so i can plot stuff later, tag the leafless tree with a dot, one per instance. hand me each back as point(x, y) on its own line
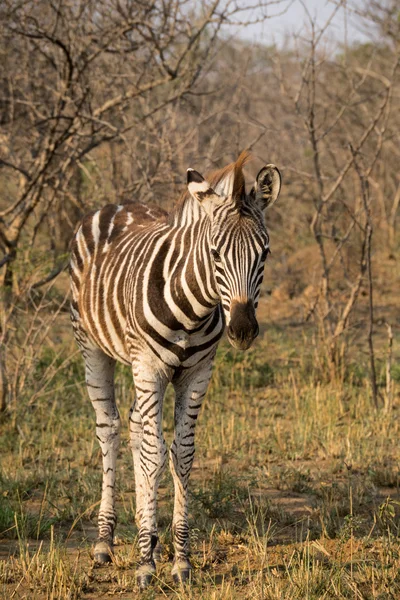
point(81, 82)
point(109, 100)
point(100, 99)
point(345, 104)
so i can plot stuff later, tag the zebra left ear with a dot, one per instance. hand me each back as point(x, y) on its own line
point(267, 186)
point(201, 190)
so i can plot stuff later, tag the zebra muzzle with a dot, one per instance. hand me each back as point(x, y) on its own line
point(243, 327)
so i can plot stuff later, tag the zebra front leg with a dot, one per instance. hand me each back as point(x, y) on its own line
point(136, 436)
point(150, 456)
point(100, 384)
point(190, 392)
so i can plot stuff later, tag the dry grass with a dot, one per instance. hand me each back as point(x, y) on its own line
point(294, 492)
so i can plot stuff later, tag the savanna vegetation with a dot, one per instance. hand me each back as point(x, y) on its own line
point(295, 487)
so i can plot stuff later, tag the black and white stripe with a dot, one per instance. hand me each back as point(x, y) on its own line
point(154, 291)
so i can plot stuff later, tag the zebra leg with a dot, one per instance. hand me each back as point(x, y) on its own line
point(136, 436)
point(189, 394)
point(150, 457)
point(100, 385)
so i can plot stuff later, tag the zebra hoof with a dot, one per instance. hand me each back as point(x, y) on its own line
point(103, 553)
point(144, 574)
point(181, 577)
point(144, 580)
point(181, 572)
point(102, 558)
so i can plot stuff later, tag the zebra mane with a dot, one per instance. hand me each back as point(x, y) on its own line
point(228, 181)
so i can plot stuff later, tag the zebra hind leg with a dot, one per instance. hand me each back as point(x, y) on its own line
point(100, 385)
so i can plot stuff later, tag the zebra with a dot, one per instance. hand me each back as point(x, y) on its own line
point(155, 291)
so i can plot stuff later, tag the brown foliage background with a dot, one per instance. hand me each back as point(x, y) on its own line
point(104, 101)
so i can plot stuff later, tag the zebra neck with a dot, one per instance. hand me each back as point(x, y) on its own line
point(191, 276)
point(188, 213)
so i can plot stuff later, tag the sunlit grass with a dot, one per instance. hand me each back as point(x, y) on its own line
point(294, 492)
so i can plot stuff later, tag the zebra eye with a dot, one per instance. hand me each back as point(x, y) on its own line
point(265, 254)
point(216, 255)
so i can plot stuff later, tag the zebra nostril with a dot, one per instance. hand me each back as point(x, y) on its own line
point(243, 326)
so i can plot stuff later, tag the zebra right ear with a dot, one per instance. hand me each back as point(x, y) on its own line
point(201, 190)
point(267, 186)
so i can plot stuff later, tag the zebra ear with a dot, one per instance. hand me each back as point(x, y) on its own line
point(267, 186)
point(201, 190)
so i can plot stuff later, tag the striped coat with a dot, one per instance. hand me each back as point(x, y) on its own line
point(155, 291)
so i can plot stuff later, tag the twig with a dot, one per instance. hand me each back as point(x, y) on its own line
point(52, 275)
point(368, 267)
point(388, 397)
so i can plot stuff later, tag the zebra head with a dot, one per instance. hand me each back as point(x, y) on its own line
point(239, 241)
